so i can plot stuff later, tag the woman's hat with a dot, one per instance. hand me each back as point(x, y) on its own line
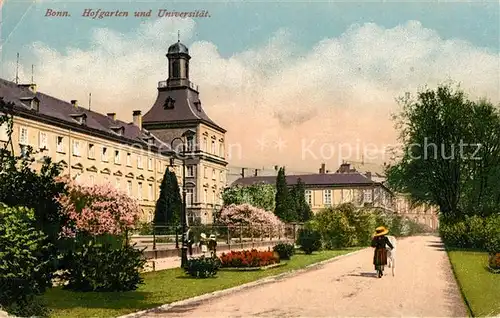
point(381, 230)
point(203, 235)
point(212, 237)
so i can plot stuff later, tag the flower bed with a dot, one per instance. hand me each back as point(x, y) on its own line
point(251, 269)
point(252, 258)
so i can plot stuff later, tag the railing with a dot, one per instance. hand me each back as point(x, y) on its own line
point(169, 237)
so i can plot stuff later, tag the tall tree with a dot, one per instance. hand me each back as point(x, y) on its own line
point(302, 208)
point(169, 204)
point(283, 201)
point(451, 152)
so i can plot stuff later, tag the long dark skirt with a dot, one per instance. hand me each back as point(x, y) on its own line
point(380, 257)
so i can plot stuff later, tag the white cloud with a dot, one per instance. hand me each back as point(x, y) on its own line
point(341, 90)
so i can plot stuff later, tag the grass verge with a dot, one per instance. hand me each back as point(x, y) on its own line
point(164, 287)
point(480, 287)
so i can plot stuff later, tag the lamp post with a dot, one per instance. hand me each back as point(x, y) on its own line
point(186, 136)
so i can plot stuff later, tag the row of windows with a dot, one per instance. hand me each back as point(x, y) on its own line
point(213, 149)
point(327, 196)
point(77, 147)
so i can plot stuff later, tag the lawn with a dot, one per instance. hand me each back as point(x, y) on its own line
point(164, 287)
point(480, 287)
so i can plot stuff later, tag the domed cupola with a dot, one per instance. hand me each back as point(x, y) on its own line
point(178, 65)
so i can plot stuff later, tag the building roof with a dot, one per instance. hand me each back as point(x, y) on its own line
point(320, 179)
point(57, 111)
point(178, 48)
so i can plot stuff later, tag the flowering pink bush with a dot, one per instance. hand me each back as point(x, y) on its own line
point(253, 220)
point(97, 210)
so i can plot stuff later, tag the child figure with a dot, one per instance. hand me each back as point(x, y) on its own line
point(212, 245)
point(203, 243)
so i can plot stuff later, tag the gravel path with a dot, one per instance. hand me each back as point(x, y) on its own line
point(424, 286)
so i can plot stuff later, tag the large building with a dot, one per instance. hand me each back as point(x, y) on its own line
point(95, 148)
point(346, 185)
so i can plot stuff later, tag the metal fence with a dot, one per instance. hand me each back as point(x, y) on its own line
point(170, 237)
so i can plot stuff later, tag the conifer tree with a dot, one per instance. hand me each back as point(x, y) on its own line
point(284, 207)
point(302, 208)
point(169, 204)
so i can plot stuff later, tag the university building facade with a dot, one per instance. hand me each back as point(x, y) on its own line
point(95, 148)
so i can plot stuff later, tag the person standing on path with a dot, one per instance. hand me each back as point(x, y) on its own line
point(379, 242)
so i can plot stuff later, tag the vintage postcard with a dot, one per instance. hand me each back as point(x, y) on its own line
point(249, 158)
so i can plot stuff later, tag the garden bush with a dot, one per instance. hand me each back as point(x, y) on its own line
point(253, 221)
point(492, 232)
point(363, 221)
point(252, 258)
point(335, 230)
point(24, 271)
point(102, 267)
point(202, 267)
point(309, 240)
point(284, 250)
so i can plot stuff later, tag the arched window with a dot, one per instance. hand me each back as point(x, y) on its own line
point(176, 69)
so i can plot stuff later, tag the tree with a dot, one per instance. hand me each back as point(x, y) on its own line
point(300, 205)
point(258, 195)
point(284, 204)
point(169, 204)
point(451, 152)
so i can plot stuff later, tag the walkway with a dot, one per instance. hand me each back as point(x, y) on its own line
point(423, 287)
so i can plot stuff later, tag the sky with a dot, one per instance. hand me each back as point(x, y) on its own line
point(294, 83)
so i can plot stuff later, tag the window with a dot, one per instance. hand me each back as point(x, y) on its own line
point(117, 157)
point(139, 162)
point(309, 197)
point(106, 180)
point(190, 144)
point(221, 149)
point(190, 171)
point(150, 163)
point(91, 151)
point(213, 175)
point(92, 180)
point(221, 177)
point(205, 196)
point(327, 197)
point(205, 144)
point(213, 147)
point(129, 188)
point(150, 192)
point(129, 159)
point(139, 191)
point(117, 184)
point(104, 154)
point(4, 134)
point(78, 177)
point(76, 148)
point(214, 197)
point(59, 144)
point(189, 197)
point(42, 140)
point(23, 135)
point(24, 151)
point(367, 195)
point(205, 173)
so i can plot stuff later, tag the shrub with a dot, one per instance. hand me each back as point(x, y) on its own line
point(476, 232)
point(24, 271)
point(492, 232)
point(252, 258)
point(362, 220)
point(454, 234)
point(202, 267)
point(261, 196)
point(309, 240)
point(285, 251)
point(254, 221)
point(100, 267)
point(335, 230)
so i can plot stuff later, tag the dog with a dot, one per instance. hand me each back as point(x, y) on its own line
point(391, 254)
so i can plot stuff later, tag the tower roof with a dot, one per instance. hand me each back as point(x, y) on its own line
point(178, 48)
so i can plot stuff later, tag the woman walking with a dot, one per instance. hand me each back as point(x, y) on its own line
point(379, 242)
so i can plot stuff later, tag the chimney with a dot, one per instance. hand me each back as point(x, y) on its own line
point(74, 102)
point(369, 175)
point(344, 168)
point(322, 170)
point(111, 116)
point(137, 118)
point(256, 172)
point(242, 172)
